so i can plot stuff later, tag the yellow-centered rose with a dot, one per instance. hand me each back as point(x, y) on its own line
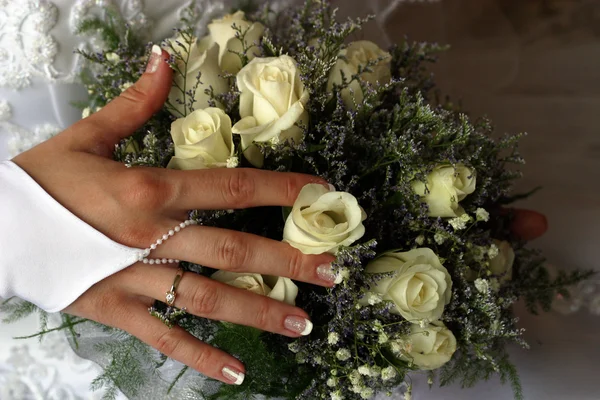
point(271, 104)
point(446, 186)
point(354, 57)
point(202, 61)
point(277, 288)
point(420, 286)
point(203, 139)
point(430, 347)
point(222, 32)
point(321, 221)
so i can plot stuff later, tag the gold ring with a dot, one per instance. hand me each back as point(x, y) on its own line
point(171, 295)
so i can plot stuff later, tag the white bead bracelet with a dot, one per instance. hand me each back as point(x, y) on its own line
point(144, 255)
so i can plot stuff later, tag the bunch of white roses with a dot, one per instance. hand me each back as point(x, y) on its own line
point(273, 102)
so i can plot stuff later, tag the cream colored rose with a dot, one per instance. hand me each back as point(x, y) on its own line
point(202, 60)
point(420, 286)
point(321, 221)
point(277, 288)
point(446, 186)
point(357, 55)
point(271, 104)
point(222, 33)
point(501, 265)
point(203, 139)
point(430, 347)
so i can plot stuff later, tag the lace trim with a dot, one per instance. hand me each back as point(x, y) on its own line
point(22, 139)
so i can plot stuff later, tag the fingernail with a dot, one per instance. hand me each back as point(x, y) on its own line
point(325, 272)
point(154, 61)
point(298, 325)
point(331, 187)
point(233, 375)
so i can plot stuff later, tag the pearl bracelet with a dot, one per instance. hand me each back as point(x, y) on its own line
point(144, 255)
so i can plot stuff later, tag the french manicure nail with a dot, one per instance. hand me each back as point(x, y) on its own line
point(331, 187)
point(154, 61)
point(298, 325)
point(233, 375)
point(325, 272)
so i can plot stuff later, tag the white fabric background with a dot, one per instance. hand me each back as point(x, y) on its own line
point(507, 61)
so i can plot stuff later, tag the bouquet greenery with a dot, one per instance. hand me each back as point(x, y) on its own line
point(427, 266)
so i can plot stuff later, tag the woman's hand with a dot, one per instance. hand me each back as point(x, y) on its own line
point(136, 206)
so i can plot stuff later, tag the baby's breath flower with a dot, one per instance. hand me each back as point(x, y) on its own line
point(482, 215)
point(125, 86)
point(332, 382)
point(494, 284)
point(420, 240)
point(86, 112)
point(300, 358)
point(388, 373)
point(232, 162)
point(457, 223)
point(373, 298)
point(344, 273)
point(342, 354)
point(355, 378)
point(439, 238)
point(333, 338)
point(481, 285)
point(364, 370)
point(396, 347)
point(113, 58)
point(294, 347)
point(366, 393)
point(337, 395)
point(465, 218)
point(493, 251)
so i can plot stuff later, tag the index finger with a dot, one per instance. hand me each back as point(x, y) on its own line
point(227, 188)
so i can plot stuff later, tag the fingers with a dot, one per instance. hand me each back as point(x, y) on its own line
point(529, 225)
point(208, 298)
point(227, 188)
point(125, 114)
point(243, 252)
point(178, 344)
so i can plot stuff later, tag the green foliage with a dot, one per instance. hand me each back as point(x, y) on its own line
point(274, 372)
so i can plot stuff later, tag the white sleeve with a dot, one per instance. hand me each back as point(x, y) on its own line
point(48, 256)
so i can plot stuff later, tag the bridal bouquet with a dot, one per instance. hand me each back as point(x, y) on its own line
point(427, 267)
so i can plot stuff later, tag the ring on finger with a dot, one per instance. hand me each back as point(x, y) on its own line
point(170, 314)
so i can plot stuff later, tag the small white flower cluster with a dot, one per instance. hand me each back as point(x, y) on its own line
point(333, 338)
point(482, 285)
point(343, 354)
point(459, 223)
point(373, 298)
point(482, 215)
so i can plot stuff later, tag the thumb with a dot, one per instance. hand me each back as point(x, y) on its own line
point(124, 115)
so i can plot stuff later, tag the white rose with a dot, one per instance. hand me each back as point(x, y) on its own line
point(357, 55)
point(431, 346)
point(203, 139)
point(277, 288)
point(271, 103)
point(202, 59)
point(321, 221)
point(502, 264)
point(420, 286)
point(446, 186)
point(223, 34)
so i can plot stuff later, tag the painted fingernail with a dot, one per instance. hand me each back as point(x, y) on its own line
point(325, 272)
point(154, 61)
point(298, 325)
point(233, 375)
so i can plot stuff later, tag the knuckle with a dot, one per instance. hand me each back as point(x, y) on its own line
point(263, 313)
point(233, 252)
point(240, 189)
point(292, 188)
point(136, 95)
point(296, 263)
point(146, 190)
point(205, 300)
point(202, 360)
point(167, 343)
